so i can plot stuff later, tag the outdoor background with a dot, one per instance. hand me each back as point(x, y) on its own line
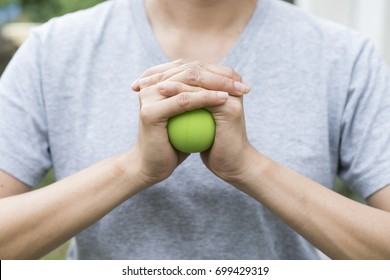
point(370, 17)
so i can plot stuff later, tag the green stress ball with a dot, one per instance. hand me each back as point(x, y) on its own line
point(192, 132)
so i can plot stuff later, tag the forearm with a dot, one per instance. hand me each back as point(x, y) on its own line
point(338, 226)
point(36, 222)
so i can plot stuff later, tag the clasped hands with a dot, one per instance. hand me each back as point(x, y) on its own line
point(176, 87)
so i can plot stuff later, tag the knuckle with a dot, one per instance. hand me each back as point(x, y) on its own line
point(179, 62)
point(200, 63)
point(142, 96)
point(198, 89)
point(223, 83)
point(236, 108)
point(193, 74)
point(145, 114)
point(163, 77)
point(146, 92)
point(184, 100)
point(148, 95)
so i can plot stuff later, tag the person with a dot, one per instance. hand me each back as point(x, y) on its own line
point(317, 104)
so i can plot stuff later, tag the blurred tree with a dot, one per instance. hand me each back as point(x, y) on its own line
point(6, 2)
point(43, 10)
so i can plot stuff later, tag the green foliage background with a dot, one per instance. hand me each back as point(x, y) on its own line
point(6, 2)
point(43, 10)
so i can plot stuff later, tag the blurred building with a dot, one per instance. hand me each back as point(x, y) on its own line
point(369, 17)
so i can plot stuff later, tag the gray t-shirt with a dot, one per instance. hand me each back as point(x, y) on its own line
point(320, 104)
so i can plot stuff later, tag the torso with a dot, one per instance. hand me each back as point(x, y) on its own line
point(193, 214)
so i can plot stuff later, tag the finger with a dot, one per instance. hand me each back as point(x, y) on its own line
point(155, 70)
point(225, 71)
point(163, 72)
point(169, 89)
point(183, 102)
point(149, 95)
point(211, 81)
point(158, 77)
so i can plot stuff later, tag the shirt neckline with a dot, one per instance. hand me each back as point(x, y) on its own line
point(234, 58)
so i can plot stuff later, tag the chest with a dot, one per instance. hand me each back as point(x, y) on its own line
point(212, 48)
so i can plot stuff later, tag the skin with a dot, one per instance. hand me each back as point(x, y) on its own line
point(198, 29)
point(340, 227)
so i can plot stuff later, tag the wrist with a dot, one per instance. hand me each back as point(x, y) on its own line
point(254, 168)
point(129, 168)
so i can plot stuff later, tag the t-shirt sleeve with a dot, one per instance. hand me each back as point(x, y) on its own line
point(365, 136)
point(24, 148)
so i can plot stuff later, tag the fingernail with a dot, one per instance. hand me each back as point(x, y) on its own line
point(248, 87)
point(134, 85)
point(241, 87)
point(222, 95)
